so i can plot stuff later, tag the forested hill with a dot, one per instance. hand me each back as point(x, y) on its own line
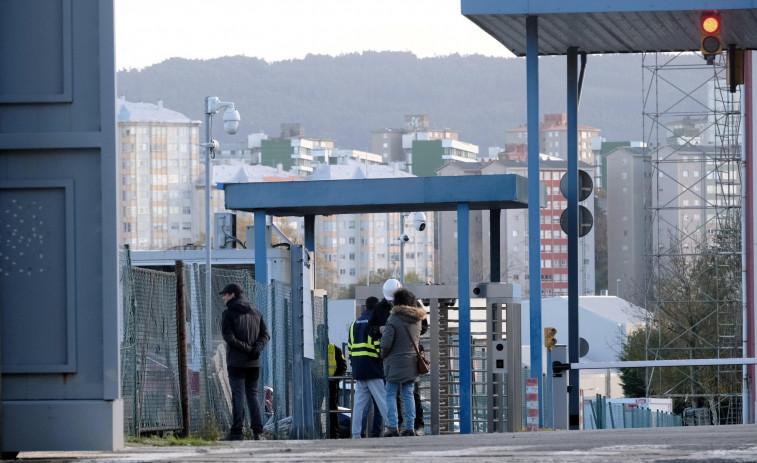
point(344, 98)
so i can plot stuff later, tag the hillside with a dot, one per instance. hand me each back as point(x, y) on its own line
point(343, 98)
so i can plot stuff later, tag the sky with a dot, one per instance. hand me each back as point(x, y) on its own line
point(151, 31)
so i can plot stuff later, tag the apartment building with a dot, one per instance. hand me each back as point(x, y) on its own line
point(159, 156)
point(553, 138)
point(358, 244)
point(514, 256)
point(396, 144)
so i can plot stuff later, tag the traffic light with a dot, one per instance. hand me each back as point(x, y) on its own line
point(585, 217)
point(710, 31)
point(549, 338)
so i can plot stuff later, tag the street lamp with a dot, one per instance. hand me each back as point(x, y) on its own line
point(230, 124)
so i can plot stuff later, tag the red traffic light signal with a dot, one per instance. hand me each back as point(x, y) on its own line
point(710, 29)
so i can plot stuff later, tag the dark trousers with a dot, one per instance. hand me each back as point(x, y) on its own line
point(334, 405)
point(418, 408)
point(244, 385)
point(378, 421)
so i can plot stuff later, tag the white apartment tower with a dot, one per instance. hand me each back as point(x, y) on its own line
point(158, 149)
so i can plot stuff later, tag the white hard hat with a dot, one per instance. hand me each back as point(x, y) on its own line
point(390, 287)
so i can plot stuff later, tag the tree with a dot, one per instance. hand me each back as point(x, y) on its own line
point(377, 278)
point(633, 380)
point(694, 313)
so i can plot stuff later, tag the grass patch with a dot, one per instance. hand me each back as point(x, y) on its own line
point(170, 440)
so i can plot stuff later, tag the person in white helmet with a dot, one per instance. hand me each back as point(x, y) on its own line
point(383, 309)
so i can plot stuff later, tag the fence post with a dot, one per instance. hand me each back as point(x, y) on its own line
point(181, 347)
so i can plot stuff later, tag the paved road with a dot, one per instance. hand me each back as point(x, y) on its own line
point(691, 444)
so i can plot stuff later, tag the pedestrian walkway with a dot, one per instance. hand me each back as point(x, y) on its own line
point(701, 443)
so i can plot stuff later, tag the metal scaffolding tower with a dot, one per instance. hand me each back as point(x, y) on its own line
point(693, 200)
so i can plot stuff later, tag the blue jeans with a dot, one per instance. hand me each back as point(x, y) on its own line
point(408, 403)
point(244, 385)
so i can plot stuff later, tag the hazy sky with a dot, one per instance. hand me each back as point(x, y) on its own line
point(150, 31)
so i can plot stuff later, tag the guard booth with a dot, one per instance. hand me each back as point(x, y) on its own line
point(495, 345)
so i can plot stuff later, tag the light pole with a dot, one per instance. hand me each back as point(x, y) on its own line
point(230, 124)
point(419, 222)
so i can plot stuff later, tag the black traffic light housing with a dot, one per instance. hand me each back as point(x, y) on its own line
point(710, 35)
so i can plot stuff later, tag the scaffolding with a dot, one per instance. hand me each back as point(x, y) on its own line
point(692, 199)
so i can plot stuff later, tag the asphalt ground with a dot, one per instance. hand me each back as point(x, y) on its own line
point(736, 443)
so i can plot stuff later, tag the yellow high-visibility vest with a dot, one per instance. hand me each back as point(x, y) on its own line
point(369, 348)
point(332, 359)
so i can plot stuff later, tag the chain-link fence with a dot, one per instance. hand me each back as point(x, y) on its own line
point(149, 368)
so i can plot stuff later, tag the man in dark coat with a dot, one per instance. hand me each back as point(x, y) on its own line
point(246, 334)
point(368, 373)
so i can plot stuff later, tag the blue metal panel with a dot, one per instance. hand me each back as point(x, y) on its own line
point(463, 281)
point(261, 271)
point(534, 241)
point(595, 6)
point(378, 195)
point(572, 232)
point(64, 53)
point(611, 27)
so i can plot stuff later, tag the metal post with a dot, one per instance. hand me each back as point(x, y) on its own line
point(534, 242)
point(402, 248)
point(181, 341)
point(261, 259)
point(494, 245)
point(572, 173)
point(208, 219)
point(463, 277)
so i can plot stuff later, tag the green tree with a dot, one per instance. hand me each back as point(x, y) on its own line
point(633, 380)
point(377, 278)
point(694, 313)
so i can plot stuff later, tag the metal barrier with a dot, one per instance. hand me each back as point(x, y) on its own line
point(600, 413)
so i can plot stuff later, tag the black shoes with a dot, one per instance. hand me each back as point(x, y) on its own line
point(407, 433)
point(233, 437)
point(391, 432)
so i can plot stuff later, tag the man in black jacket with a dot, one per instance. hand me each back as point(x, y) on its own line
point(246, 335)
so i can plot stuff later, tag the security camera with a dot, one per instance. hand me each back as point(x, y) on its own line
point(420, 221)
point(231, 120)
point(404, 238)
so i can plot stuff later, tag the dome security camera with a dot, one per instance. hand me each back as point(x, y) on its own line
point(231, 120)
point(404, 238)
point(419, 221)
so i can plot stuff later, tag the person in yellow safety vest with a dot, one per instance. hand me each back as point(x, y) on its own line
point(337, 367)
point(368, 373)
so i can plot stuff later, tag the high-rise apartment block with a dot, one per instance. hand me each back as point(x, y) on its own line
point(553, 138)
point(158, 149)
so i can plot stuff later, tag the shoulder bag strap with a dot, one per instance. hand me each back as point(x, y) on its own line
point(412, 341)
